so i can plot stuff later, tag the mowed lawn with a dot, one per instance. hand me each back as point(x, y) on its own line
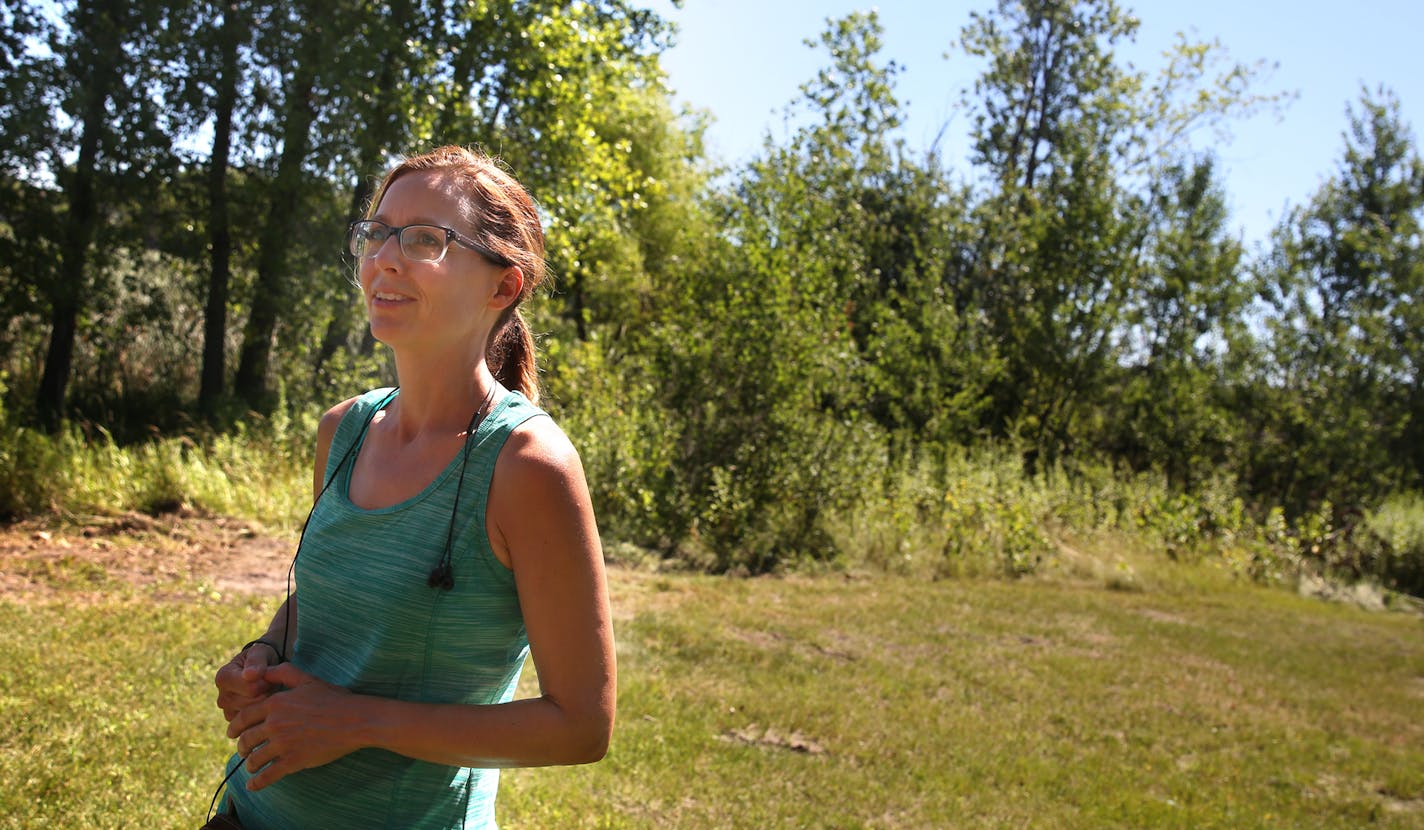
point(819, 702)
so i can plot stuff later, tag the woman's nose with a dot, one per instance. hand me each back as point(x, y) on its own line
point(388, 251)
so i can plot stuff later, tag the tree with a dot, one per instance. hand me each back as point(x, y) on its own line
point(308, 40)
point(529, 80)
point(113, 131)
point(210, 83)
point(29, 209)
point(1058, 231)
point(232, 36)
point(30, 83)
point(402, 59)
point(896, 231)
point(583, 114)
point(814, 321)
point(1075, 152)
point(301, 119)
point(1186, 306)
point(1344, 284)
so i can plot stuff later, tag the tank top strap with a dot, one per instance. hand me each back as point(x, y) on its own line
point(505, 416)
point(352, 426)
point(512, 410)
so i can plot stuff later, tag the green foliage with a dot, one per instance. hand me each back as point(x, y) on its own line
point(840, 353)
point(760, 461)
point(260, 473)
point(1392, 547)
point(1185, 307)
point(825, 297)
point(1057, 228)
point(1342, 374)
point(623, 435)
point(993, 516)
point(947, 514)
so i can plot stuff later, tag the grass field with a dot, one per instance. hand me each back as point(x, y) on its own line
point(1176, 699)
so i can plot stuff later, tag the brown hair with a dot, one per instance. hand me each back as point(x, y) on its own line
point(504, 219)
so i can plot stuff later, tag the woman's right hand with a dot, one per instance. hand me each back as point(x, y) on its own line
point(240, 681)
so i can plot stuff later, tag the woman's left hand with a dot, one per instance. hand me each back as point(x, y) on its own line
point(309, 723)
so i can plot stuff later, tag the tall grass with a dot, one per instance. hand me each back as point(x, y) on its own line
point(956, 512)
point(261, 471)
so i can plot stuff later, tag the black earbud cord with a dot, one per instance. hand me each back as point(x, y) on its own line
point(441, 576)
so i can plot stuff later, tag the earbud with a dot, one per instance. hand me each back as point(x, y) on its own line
point(442, 576)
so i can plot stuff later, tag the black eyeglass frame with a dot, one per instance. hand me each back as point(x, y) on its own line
point(451, 235)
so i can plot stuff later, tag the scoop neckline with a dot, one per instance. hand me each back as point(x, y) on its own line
point(481, 433)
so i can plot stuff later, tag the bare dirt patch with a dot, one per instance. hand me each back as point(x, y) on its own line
point(774, 738)
point(175, 553)
point(39, 560)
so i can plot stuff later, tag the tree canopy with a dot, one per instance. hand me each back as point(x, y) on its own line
point(739, 348)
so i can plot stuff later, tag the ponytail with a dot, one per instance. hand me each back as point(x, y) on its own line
point(512, 357)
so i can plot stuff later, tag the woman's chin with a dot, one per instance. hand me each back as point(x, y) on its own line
point(388, 332)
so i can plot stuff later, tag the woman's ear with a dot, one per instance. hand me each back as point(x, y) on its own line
point(509, 288)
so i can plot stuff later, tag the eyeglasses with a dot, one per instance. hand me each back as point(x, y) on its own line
point(418, 243)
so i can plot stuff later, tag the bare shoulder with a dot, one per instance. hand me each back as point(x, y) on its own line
point(331, 419)
point(539, 460)
point(325, 432)
point(539, 444)
point(539, 474)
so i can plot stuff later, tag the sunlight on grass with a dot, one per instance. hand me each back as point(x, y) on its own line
point(108, 710)
point(814, 702)
point(972, 704)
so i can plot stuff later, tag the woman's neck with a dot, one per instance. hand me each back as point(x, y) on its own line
point(438, 397)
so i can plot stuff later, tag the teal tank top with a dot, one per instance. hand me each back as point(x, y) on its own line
point(368, 621)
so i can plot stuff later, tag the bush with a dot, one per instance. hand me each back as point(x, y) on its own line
point(625, 439)
point(944, 512)
point(1392, 543)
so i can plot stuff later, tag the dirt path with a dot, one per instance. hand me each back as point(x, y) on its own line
point(37, 561)
point(174, 554)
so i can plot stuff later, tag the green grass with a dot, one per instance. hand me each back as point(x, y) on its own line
point(832, 701)
point(107, 716)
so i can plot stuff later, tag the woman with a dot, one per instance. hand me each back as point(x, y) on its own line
point(452, 533)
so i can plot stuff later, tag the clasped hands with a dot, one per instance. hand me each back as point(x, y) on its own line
point(283, 719)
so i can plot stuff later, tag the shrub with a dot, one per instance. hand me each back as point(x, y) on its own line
point(1391, 543)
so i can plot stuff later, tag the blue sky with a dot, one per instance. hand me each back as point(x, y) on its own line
point(743, 61)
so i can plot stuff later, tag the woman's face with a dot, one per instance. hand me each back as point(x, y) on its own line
point(442, 305)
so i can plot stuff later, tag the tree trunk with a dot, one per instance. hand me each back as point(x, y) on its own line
point(78, 233)
point(283, 214)
point(215, 313)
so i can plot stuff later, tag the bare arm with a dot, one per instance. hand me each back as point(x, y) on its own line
point(558, 570)
point(542, 522)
